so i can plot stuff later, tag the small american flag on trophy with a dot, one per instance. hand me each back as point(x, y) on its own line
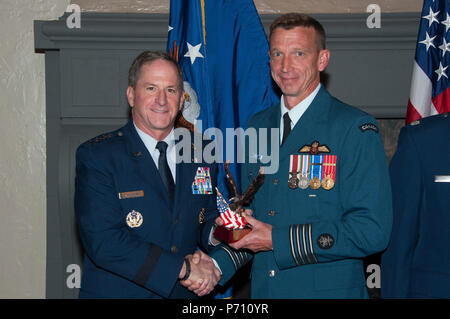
point(230, 219)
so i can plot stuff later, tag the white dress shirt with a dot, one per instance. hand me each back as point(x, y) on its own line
point(150, 144)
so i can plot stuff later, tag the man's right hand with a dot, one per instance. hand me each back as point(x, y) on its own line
point(204, 274)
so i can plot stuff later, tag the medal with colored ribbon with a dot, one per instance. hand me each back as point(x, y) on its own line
point(304, 172)
point(329, 171)
point(316, 171)
point(293, 171)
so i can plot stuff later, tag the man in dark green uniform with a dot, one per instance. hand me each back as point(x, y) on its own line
point(329, 204)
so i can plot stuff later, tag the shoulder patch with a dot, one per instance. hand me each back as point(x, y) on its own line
point(368, 126)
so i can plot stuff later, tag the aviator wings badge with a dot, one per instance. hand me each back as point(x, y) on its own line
point(314, 149)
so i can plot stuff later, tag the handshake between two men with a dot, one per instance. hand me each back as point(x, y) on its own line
point(199, 273)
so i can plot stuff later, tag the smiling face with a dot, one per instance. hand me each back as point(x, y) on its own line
point(156, 99)
point(296, 62)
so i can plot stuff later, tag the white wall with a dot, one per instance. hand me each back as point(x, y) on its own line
point(22, 148)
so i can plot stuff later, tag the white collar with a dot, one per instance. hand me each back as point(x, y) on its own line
point(297, 111)
point(150, 142)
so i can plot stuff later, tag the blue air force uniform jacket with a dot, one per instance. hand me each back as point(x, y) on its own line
point(134, 241)
point(319, 236)
point(416, 263)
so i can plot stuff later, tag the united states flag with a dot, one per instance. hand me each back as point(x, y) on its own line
point(430, 93)
point(230, 219)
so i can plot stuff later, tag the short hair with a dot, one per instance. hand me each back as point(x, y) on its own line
point(291, 20)
point(148, 57)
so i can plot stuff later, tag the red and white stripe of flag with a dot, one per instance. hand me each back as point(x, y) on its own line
point(420, 103)
point(232, 221)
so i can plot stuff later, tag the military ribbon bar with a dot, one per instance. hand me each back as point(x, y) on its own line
point(202, 181)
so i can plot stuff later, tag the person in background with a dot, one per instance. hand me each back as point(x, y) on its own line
point(416, 263)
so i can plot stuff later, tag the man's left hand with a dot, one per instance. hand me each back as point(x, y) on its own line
point(259, 239)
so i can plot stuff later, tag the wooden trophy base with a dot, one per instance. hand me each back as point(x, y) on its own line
point(228, 235)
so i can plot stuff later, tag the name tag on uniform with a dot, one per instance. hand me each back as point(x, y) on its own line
point(131, 194)
point(442, 178)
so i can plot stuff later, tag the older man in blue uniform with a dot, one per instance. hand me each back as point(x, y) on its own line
point(139, 216)
point(416, 263)
point(329, 204)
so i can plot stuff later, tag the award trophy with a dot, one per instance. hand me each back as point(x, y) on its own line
point(236, 227)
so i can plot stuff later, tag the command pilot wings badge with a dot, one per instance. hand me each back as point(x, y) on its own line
point(314, 149)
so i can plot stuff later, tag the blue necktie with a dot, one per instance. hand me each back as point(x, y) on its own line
point(164, 170)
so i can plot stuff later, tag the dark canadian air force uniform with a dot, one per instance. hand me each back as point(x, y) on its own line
point(416, 263)
point(322, 231)
point(134, 241)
